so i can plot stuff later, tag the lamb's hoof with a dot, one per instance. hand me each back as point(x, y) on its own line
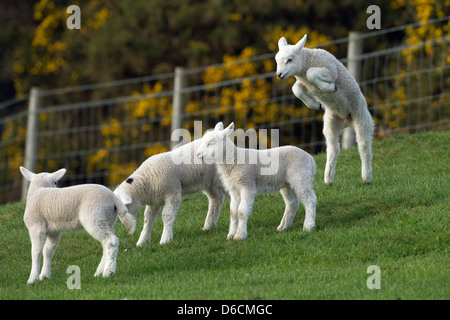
point(33, 280)
point(230, 236)
point(239, 238)
point(327, 86)
point(108, 273)
point(44, 276)
point(208, 227)
point(309, 228)
point(283, 226)
point(317, 106)
point(367, 178)
point(165, 241)
point(141, 243)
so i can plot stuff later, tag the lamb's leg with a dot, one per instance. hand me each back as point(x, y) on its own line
point(300, 92)
point(244, 211)
point(291, 202)
point(101, 229)
point(332, 129)
point(215, 198)
point(169, 212)
point(101, 265)
point(150, 214)
point(37, 243)
point(49, 250)
point(364, 128)
point(235, 199)
point(307, 196)
point(111, 244)
point(323, 78)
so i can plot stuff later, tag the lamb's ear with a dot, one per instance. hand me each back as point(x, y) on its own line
point(282, 43)
point(27, 173)
point(219, 126)
point(58, 174)
point(300, 44)
point(126, 199)
point(229, 130)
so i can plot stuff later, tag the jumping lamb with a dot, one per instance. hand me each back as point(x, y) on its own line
point(243, 175)
point(322, 82)
point(164, 179)
point(50, 211)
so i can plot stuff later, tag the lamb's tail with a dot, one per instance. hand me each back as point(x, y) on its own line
point(128, 220)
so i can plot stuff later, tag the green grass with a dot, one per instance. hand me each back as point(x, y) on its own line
point(399, 223)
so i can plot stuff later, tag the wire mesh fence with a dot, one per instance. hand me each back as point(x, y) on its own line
point(102, 132)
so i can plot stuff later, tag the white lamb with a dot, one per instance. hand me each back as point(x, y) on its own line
point(50, 211)
point(243, 178)
point(163, 179)
point(324, 83)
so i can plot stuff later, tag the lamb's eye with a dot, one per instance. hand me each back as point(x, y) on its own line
point(289, 60)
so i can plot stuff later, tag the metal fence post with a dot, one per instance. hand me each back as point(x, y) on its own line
point(34, 103)
point(179, 99)
point(354, 51)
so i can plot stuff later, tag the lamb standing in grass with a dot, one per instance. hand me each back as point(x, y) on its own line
point(243, 178)
point(50, 211)
point(163, 179)
point(324, 82)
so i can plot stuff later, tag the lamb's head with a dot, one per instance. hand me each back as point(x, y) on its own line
point(127, 192)
point(43, 179)
point(288, 58)
point(213, 143)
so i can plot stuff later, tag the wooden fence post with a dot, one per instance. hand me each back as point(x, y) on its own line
point(179, 99)
point(354, 51)
point(34, 103)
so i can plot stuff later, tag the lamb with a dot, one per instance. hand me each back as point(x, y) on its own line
point(293, 176)
point(50, 211)
point(322, 82)
point(164, 179)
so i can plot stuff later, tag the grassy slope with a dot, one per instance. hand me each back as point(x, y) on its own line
point(399, 223)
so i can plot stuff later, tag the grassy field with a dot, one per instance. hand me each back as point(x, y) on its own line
point(400, 223)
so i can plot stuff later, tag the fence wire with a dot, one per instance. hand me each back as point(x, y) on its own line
point(102, 132)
